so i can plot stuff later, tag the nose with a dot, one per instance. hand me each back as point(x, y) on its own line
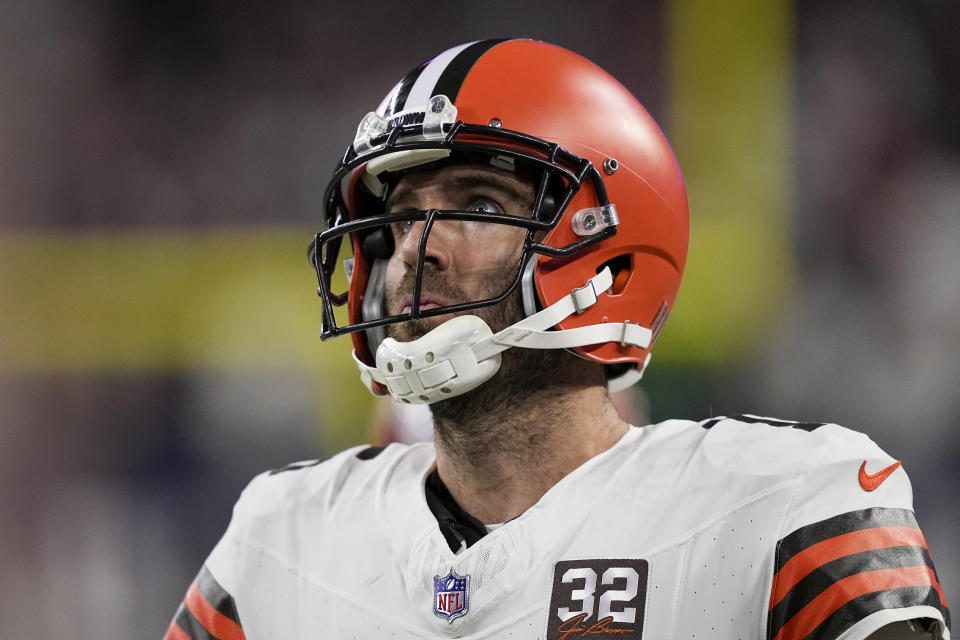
point(439, 243)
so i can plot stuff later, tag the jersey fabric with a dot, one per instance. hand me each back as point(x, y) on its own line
point(739, 527)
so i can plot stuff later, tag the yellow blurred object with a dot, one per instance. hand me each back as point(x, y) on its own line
point(152, 300)
point(730, 125)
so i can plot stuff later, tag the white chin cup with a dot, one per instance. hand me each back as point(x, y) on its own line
point(440, 365)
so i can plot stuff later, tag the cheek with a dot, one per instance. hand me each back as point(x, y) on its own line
point(495, 252)
point(395, 271)
point(505, 249)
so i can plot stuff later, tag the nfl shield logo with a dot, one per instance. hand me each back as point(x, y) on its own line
point(450, 595)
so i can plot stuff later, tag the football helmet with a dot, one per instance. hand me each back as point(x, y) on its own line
point(604, 247)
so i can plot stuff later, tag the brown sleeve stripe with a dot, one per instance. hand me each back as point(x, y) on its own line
point(219, 625)
point(824, 577)
point(216, 595)
point(208, 612)
point(805, 537)
point(833, 573)
point(188, 625)
point(847, 544)
point(174, 632)
point(852, 612)
point(831, 600)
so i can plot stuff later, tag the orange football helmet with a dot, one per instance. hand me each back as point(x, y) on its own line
point(610, 201)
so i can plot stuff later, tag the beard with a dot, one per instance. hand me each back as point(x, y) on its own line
point(497, 317)
point(522, 374)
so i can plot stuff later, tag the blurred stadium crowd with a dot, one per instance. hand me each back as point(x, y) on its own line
point(161, 167)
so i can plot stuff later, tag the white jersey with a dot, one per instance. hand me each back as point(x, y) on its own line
point(730, 528)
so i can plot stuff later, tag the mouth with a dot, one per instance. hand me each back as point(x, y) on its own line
point(425, 305)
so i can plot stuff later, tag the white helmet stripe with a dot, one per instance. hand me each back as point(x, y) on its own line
point(422, 89)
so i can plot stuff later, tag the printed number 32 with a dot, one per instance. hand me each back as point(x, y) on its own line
point(586, 595)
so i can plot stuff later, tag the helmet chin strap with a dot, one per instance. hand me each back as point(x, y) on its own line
point(463, 352)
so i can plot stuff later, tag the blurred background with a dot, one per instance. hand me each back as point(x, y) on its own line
point(161, 169)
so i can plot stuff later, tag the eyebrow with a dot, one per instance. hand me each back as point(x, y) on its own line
point(454, 184)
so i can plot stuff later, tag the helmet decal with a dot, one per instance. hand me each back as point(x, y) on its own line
point(442, 75)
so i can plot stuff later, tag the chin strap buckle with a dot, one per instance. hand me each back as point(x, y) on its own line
point(584, 297)
point(623, 333)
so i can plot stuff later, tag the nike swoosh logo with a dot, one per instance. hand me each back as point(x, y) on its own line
point(870, 481)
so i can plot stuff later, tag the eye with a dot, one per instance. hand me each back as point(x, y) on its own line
point(484, 205)
point(400, 229)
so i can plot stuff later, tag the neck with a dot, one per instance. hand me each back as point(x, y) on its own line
point(502, 446)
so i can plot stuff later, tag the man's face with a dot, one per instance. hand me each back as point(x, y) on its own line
point(465, 261)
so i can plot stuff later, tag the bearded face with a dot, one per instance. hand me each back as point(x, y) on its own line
point(466, 261)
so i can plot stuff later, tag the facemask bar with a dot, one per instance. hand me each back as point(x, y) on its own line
point(555, 162)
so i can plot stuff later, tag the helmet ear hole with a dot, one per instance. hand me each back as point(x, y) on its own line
point(378, 244)
point(622, 268)
point(547, 207)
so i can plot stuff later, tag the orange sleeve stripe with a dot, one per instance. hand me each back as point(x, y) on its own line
point(800, 565)
point(174, 632)
point(217, 624)
point(845, 590)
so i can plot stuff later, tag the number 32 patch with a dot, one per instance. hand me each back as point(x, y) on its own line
point(593, 598)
